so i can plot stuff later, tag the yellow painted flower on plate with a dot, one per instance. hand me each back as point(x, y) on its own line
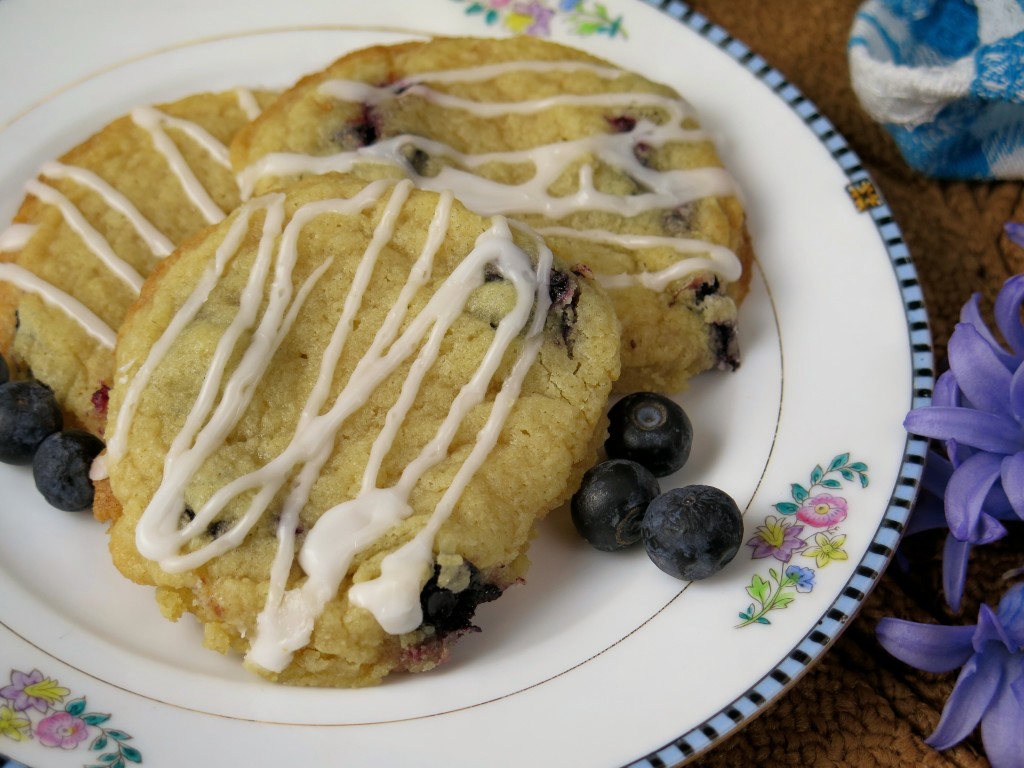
point(827, 549)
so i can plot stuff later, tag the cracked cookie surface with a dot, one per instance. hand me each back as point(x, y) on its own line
point(339, 415)
point(613, 169)
point(96, 222)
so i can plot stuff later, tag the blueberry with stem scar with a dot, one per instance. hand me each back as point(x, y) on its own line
point(651, 430)
point(693, 532)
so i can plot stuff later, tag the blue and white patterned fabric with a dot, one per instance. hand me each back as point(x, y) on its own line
point(946, 77)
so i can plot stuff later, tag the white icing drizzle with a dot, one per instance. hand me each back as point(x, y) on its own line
point(489, 198)
point(98, 468)
point(661, 190)
point(716, 258)
point(232, 240)
point(352, 90)
point(342, 532)
point(248, 104)
point(16, 237)
point(393, 597)
point(91, 324)
point(93, 239)
point(156, 241)
point(153, 121)
point(491, 71)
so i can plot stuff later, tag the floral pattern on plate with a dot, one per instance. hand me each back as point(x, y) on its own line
point(807, 526)
point(535, 17)
point(33, 706)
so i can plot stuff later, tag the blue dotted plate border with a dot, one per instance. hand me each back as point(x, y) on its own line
point(785, 674)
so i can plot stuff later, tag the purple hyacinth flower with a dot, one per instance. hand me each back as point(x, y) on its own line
point(990, 688)
point(978, 411)
point(930, 514)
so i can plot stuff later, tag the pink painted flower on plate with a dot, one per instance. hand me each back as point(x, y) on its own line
point(822, 510)
point(62, 730)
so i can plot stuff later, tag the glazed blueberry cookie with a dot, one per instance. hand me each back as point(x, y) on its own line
point(95, 222)
point(337, 417)
point(611, 168)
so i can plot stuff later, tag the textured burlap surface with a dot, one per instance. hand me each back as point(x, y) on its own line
point(859, 706)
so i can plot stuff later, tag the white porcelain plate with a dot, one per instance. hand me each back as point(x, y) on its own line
point(598, 659)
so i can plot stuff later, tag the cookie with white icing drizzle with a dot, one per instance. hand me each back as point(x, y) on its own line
point(95, 222)
point(612, 168)
point(337, 417)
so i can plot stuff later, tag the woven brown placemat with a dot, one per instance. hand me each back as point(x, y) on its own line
point(859, 706)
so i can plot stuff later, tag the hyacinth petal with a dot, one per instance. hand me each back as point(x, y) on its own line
point(970, 313)
point(928, 514)
point(980, 374)
point(955, 556)
point(998, 505)
point(931, 647)
point(1007, 312)
point(946, 392)
point(989, 529)
point(1002, 732)
point(1011, 615)
point(1017, 687)
point(973, 693)
point(966, 493)
point(979, 429)
point(1012, 475)
point(936, 474)
point(1016, 394)
point(1015, 231)
point(989, 632)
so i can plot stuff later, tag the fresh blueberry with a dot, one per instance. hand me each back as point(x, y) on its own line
point(449, 611)
point(649, 429)
point(5, 372)
point(28, 414)
point(692, 532)
point(61, 468)
point(611, 501)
